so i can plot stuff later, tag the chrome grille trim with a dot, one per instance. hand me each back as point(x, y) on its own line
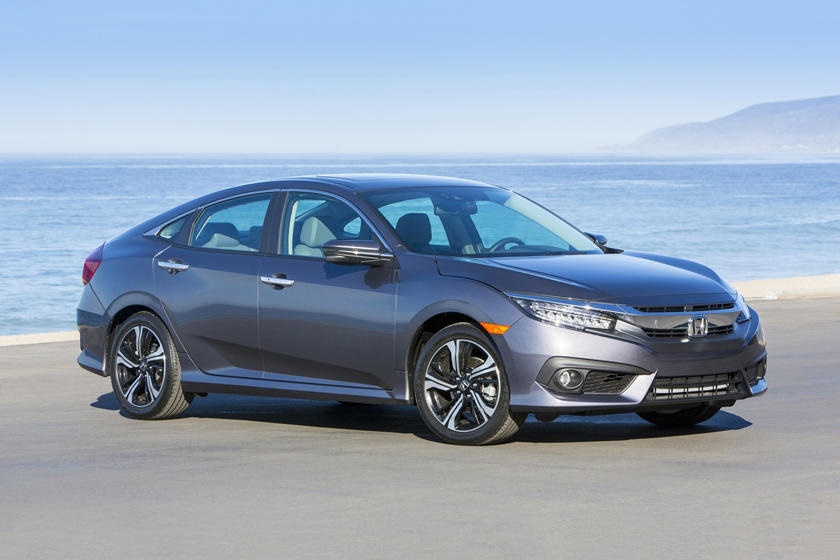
point(682, 332)
point(685, 308)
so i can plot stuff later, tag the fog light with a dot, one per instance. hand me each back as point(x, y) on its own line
point(569, 379)
point(759, 337)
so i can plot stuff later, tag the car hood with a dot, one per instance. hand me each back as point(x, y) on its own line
point(626, 278)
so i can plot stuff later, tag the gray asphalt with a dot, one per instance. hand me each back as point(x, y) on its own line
point(253, 477)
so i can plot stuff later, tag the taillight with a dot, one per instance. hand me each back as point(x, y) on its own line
point(92, 262)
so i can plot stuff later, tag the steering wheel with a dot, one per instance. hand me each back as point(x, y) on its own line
point(500, 244)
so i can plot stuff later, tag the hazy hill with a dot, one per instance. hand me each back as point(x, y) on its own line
point(802, 126)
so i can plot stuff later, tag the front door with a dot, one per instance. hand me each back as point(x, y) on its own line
point(324, 323)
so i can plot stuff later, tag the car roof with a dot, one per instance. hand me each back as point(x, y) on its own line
point(377, 181)
point(359, 182)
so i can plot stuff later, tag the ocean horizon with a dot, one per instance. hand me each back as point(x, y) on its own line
point(747, 217)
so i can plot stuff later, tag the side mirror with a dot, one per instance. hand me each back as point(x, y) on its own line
point(597, 238)
point(356, 252)
point(601, 241)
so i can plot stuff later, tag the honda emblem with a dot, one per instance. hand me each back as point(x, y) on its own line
point(698, 327)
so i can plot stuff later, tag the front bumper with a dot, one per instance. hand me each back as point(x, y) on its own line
point(630, 373)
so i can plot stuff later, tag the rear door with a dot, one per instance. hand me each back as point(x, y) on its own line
point(209, 286)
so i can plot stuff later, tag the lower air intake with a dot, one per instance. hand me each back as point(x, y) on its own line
point(607, 383)
point(691, 387)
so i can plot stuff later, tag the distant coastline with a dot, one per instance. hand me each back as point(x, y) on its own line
point(802, 126)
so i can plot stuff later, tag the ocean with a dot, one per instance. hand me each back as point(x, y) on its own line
point(746, 218)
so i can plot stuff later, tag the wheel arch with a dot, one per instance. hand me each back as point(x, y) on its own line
point(123, 314)
point(429, 328)
point(124, 308)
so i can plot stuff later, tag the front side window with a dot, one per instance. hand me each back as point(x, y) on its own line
point(233, 225)
point(311, 219)
point(477, 222)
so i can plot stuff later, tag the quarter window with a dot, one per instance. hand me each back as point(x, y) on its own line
point(172, 229)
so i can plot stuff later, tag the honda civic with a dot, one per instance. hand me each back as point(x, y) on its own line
point(467, 300)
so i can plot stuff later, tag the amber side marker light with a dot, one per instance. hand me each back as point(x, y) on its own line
point(492, 328)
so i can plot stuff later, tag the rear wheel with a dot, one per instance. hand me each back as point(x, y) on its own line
point(680, 418)
point(462, 390)
point(144, 369)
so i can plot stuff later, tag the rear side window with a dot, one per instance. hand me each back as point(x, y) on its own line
point(233, 225)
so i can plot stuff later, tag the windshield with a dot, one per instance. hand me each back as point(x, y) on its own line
point(477, 222)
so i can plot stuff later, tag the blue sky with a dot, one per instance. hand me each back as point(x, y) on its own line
point(366, 76)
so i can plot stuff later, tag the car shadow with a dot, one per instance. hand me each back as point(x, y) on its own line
point(106, 401)
point(618, 427)
point(406, 419)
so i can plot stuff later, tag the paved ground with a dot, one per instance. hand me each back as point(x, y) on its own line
point(249, 477)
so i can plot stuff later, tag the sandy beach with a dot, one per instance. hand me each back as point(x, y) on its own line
point(827, 285)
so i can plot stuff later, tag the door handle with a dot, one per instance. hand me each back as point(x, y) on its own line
point(173, 266)
point(277, 281)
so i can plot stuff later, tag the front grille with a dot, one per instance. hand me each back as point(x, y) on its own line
point(682, 332)
point(686, 308)
point(694, 386)
point(607, 383)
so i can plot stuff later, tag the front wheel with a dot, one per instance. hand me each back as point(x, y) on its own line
point(144, 369)
point(462, 390)
point(681, 418)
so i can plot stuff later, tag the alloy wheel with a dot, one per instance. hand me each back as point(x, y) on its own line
point(140, 366)
point(461, 385)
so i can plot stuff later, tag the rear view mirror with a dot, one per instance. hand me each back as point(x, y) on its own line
point(446, 207)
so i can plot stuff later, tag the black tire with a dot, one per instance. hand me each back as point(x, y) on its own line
point(144, 369)
point(681, 418)
point(466, 400)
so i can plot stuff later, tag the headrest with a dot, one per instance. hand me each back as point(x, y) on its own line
point(414, 230)
point(215, 229)
point(314, 233)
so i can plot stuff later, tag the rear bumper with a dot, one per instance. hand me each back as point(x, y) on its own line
point(92, 322)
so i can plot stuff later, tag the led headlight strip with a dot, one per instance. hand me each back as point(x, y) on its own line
point(565, 315)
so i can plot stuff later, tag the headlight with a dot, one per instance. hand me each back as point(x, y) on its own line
point(744, 317)
point(562, 315)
